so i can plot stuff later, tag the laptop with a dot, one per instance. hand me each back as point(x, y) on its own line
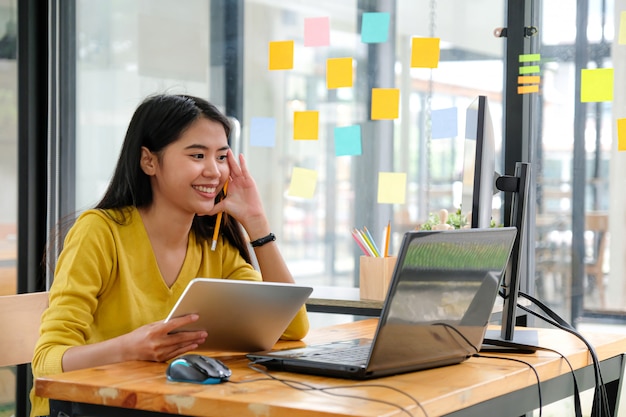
point(439, 303)
point(240, 316)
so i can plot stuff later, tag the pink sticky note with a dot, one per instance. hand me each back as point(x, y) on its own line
point(316, 31)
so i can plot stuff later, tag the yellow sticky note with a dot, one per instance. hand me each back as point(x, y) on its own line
point(425, 52)
point(391, 187)
point(385, 103)
point(338, 73)
point(303, 182)
point(596, 85)
point(622, 29)
point(305, 125)
point(281, 55)
point(621, 134)
point(527, 89)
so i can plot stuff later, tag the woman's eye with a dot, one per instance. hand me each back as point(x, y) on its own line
point(198, 156)
point(222, 157)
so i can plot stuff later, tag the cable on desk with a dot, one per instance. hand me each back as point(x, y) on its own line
point(303, 386)
point(478, 355)
point(602, 408)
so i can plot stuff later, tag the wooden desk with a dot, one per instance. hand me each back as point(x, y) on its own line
point(477, 387)
point(342, 300)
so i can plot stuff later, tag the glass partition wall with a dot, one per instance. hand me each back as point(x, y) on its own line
point(132, 49)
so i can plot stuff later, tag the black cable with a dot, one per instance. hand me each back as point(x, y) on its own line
point(602, 408)
point(303, 386)
point(478, 355)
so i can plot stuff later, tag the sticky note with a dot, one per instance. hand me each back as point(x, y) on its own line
point(348, 140)
point(385, 103)
point(527, 89)
point(305, 125)
point(596, 85)
point(281, 55)
point(391, 187)
point(622, 29)
point(338, 73)
point(621, 134)
point(529, 57)
point(444, 123)
point(529, 69)
point(375, 27)
point(316, 31)
point(263, 131)
point(425, 52)
point(303, 182)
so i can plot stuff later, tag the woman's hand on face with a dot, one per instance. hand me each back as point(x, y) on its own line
point(159, 342)
point(242, 201)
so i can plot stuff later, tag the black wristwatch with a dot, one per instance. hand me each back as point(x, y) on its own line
point(263, 240)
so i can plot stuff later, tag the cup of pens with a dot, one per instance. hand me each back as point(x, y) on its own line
point(375, 276)
point(375, 266)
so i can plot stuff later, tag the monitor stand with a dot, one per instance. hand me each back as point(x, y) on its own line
point(523, 341)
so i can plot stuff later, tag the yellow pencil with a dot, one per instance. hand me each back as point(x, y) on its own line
point(218, 223)
point(387, 238)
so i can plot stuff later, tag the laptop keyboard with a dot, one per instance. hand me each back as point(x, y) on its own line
point(356, 355)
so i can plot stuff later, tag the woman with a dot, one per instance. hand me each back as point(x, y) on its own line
point(125, 263)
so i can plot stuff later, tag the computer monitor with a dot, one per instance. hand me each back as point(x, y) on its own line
point(480, 183)
point(478, 165)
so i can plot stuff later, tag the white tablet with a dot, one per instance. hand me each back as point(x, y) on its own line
point(240, 316)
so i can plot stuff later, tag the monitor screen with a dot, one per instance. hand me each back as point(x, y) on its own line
point(478, 165)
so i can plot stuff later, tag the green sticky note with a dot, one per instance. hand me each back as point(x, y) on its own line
point(385, 103)
point(281, 55)
point(338, 73)
point(391, 187)
point(529, 57)
point(306, 125)
point(596, 85)
point(303, 182)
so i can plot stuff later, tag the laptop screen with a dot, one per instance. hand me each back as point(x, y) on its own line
point(443, 295)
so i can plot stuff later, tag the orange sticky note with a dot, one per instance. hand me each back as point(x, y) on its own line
point(385, 103)
point(527, 89)
point(425, 52)
point(621, 134)
point(338, 73)
point(596, 85)
point(303, 182)
point(305, 125)
point(281, 55)
point(391, 187)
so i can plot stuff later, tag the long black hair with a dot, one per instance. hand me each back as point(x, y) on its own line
point(157, 122)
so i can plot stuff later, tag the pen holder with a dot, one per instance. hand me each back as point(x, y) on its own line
point(375, 276)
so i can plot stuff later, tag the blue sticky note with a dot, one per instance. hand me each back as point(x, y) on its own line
point(375, 27)
point(348, 140)
point(443, 123)
point(263, 132)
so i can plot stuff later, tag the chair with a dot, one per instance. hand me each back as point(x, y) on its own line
point(19, 326)
point(598, 224)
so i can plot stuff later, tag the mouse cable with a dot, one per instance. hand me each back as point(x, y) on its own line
point(530, 365)
point(602, 408)
point(303, 386)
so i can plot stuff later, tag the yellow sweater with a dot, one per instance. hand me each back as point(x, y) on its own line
point(107, 283)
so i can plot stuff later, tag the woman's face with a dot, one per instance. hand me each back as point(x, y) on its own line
point(192, 170)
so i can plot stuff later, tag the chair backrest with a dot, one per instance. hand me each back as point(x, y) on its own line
point(20, 316)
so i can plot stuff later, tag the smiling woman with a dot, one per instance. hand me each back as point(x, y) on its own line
point(126, 262)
